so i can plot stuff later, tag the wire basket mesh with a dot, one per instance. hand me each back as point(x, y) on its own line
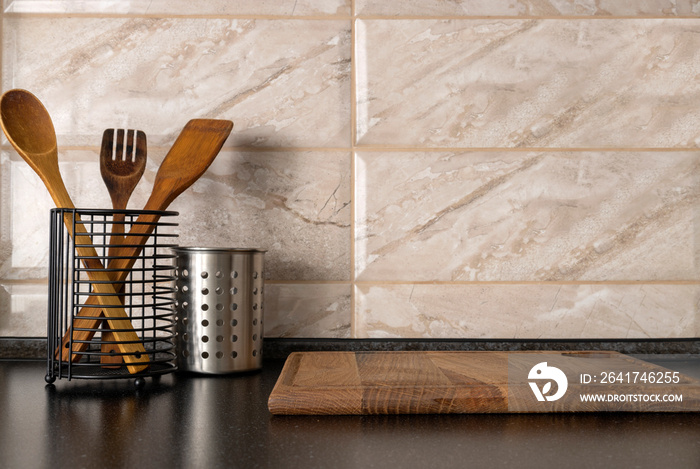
point(111, 311)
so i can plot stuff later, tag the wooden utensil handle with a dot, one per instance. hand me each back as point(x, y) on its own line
point(129, 342)
point(89, 316)
point(116, 237)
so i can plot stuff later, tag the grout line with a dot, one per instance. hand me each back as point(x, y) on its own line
point(492, 282)
point(398, 149)
point(353, 179)
point(523, 17)
point(7, 146)
point(33, 281)
point(308, 282)
point(6, 215)
point(97, 15)
point(2, 35)
point(286, 149)
point(212, 16)
point(436, 283)
point(529, 282)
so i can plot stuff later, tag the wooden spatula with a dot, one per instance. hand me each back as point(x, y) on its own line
point(190, 156)
point(29, 129)
point(122, 163)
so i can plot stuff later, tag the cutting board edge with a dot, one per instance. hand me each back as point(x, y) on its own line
point(286, 399)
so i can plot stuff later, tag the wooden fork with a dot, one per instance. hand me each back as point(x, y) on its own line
point(193, 151)
point(122, 163)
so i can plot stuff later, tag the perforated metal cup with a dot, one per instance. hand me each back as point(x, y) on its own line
point(219, 301)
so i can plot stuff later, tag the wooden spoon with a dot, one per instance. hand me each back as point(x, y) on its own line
point(122, 163)
point(192, 153)
point(29, 129)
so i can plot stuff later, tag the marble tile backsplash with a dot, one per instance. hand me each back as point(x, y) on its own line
point(561, 83)
point(418, 169)
point(526, 216)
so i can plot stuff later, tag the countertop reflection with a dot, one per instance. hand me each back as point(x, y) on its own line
point(184, 420)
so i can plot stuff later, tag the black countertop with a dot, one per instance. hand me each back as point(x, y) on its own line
point(194, 421)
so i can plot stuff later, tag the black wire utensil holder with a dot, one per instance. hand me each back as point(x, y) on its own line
point(82, 340)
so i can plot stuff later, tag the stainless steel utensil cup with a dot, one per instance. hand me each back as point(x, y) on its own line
point(219, 301)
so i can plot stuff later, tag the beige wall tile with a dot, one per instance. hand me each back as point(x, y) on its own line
point(528, 83)
point(184, 7)
point(25, 205)
point(308, 310)
point(520, 216)
point(528, 7)
point(283, 83)
point(294, 204)
point(527, 311)
point(23, 309)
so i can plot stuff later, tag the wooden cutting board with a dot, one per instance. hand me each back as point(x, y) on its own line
point(313, 383)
